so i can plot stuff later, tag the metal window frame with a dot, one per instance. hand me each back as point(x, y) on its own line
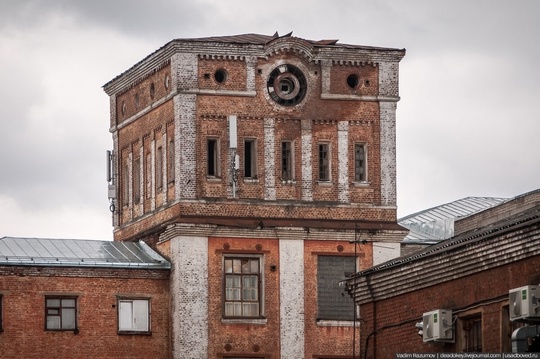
point(75, 308)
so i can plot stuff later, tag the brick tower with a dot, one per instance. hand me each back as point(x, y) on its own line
point(257, 164)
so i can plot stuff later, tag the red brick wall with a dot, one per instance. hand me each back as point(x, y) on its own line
point(244, 338)
point(460, 294)
point(327, 340)
point(24, 291)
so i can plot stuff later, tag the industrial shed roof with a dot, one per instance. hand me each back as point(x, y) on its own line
point(79, 253)
point(435, 224)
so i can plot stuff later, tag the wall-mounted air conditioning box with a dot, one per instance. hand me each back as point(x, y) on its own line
point(525, 303)
point(437, 326)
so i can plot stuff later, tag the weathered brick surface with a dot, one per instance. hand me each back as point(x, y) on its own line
point(24, 289)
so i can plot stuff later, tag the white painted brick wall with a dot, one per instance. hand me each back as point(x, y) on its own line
point(389, 79)
point(269, 160)
point(388, 153)
point(291, 294)
point(185, 131)
point(189, 291)
point(343, 161)
point(307, 165)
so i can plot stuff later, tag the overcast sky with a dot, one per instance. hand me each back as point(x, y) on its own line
point(468, 119)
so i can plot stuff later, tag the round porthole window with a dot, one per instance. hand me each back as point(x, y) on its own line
point(220, 76)
point(287, 85)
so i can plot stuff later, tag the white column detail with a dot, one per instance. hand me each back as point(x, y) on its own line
point(307, 165)
point(185, 139)
point(388, 153)
point(269, 160)
point(291, 294)
point(343, 161)
point(189, 291)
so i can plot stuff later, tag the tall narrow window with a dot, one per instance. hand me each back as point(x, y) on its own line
point(171, 161)
point(250, 159)
point(359, 162)
point(472, 334)
point(125, 185)
point(287, 160)
point(137, 180)
point(242, 287)
point(133, 315)
point(148, 175)
point(159, 168)
point(212, 157)
point(60, 313)
point(324, 162)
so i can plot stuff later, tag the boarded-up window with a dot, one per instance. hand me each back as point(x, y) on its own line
point(333, 302)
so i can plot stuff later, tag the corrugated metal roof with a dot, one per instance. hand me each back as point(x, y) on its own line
point(79, 253)
point(437, 223)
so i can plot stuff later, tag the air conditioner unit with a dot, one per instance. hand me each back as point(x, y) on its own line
point(525, 303)
point(437, 326)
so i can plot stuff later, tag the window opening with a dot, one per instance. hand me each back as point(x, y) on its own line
point(60, 313)
point(242, 287)
point(286, 160)
point(352, 81)
point(134, 315)
point(220, 76)
point(359, 163)
point(212, 157)
point(137, 180)
point(472, 334)
point(159, 168)
point(148, 173)
point(324, 162)
point(170, 161)
point(333, 303)
point(250, 159)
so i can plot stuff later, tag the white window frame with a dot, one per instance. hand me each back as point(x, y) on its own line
point(134, 316)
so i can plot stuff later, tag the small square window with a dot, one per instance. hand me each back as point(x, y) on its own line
point(133, 316)
point(60, 313)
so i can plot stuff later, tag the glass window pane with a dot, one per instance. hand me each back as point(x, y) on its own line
point(68, 303)
point(140, 313)
point(53, 322)
point(125, 313)
point(68, 318)
point(53, 303)
point(53, 311)
point(237, 266)
point(228, 266)
point(254, 266)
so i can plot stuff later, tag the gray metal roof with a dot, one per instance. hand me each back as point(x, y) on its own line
point(435, 224)
point(79, 253)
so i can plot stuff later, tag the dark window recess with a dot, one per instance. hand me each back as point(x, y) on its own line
point(334, 303)
point(472, 334)
point(286, 160)
point(159, 168)
point(250, 164)
point(359, 163)
point(1, 314)
point(212, 160)
point(137, 180)
point(220, 76)
point(352, 81)
point(324, 162)
point(170, 161)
